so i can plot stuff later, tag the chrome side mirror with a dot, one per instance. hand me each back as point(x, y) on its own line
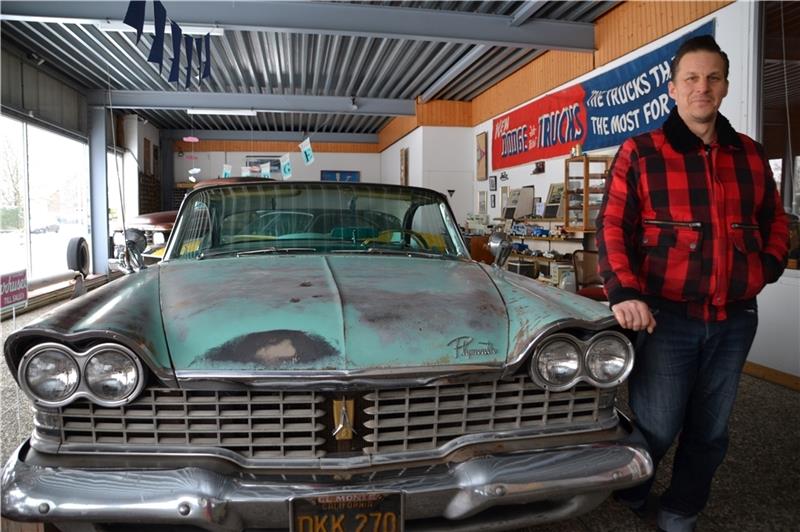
point(128, 258)
point(499, 246)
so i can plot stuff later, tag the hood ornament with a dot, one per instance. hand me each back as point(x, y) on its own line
point(343, 413)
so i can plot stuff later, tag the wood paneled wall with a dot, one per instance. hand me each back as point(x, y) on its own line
point(444, 113)
point(544, 73)
point(260, 146)
point(633, 24)
point(396, 129)
point(434, 113)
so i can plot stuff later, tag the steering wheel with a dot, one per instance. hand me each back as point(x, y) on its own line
point(417, 237)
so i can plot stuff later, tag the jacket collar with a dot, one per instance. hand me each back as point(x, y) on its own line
point(681, 138)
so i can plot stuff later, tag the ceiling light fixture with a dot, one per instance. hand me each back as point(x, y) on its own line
point(234, 112)
point(187, 29)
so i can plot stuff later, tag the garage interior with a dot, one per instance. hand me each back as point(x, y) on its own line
point(361, 80)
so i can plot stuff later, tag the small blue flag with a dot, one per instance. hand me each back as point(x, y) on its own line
point(199, 43)
point(174, 71)
point(157, 50)
point(189, 48)
point(134, 17)
point(207, 66)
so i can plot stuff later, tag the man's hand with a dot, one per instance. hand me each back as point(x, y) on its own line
point(635, 315)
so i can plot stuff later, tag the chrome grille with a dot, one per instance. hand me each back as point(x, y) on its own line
point(416, 419)
point(254, 424)
point(299, 424)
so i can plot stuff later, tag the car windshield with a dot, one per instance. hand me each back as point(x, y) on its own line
point(262, 218)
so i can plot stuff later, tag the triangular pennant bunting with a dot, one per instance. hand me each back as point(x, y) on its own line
point(189, 48)
point(207, 65)
point(157, 51)
point(134, 17)
point(199, 43)
point(174, 71)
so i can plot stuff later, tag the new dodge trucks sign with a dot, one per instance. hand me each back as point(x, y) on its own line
point(597, 113)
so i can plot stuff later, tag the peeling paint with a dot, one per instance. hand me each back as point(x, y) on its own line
point(270, 349)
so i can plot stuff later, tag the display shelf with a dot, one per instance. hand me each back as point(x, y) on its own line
point(581, 174)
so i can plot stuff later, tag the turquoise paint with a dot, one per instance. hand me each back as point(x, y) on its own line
point(127, 307)
point(533, 306)
point(374, 311)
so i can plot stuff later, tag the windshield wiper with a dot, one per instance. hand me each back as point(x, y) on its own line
point(406, 252)
point(205, 255)
point(275, 250)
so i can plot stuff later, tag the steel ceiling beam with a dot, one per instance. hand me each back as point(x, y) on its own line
point(221, 134)
point(334, 19)
point(266, 103)
point(526, 11)
point(456, 70)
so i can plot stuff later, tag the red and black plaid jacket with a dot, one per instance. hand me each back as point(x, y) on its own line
point(688, 226)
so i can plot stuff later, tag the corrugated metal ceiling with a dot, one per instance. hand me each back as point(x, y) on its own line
point(289, 63)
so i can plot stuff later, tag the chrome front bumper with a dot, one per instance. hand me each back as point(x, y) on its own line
point(572, 480)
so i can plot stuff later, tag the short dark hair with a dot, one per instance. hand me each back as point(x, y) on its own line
point(705, 43)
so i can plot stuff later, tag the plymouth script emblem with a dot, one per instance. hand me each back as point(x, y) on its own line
point(462, 344)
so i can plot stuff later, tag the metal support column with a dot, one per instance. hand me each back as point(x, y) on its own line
point(166, 143)
point(98, 188)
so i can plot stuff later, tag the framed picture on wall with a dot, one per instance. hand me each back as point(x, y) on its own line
point(503, 196)
point(492, 201)
point(482, 202)
point(342, 176)
point(555, 195)
point(492, 183)
point(481, 158)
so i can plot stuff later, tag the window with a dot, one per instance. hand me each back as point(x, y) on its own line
point(44, 198)
point(13, 196)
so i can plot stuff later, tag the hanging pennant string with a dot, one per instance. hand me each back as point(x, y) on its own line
point(207, 65)
point(134, 17)
point(177, 41)
point(157, 49)
point(189, 48)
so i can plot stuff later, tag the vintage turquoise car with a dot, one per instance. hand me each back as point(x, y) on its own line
point(320, 357)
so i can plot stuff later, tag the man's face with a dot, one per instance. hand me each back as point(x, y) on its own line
point(699, 86)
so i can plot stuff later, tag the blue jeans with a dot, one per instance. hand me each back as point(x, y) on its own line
point(684, 381)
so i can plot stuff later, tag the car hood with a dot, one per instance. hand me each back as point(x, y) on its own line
point(347, 312)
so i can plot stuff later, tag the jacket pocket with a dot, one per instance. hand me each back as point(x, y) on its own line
point(672, 264)
point(747, 271)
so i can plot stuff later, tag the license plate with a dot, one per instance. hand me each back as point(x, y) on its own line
point(348, 512)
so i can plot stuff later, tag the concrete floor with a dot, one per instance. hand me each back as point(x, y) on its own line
point(757, 488)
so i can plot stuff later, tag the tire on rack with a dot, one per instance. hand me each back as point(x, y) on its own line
point(78, 255)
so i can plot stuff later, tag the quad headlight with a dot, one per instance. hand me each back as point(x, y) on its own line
point(558, 362)
point(54, 375)
point(562, 360)
point(607, 359)
point(111, 374)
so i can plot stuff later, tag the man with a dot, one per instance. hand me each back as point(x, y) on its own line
point(690, 230)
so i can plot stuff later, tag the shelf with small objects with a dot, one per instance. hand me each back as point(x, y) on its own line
point(584, 185)
point(543, 248)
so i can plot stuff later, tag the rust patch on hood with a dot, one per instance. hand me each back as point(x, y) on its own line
point(271, 349)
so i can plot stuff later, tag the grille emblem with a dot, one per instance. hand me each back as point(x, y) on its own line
point(343, 412)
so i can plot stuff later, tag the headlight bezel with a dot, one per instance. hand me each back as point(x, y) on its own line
point(30, 356)
point(584, 349)
point(81, 358)
point(540, 379)
point(626, 368)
